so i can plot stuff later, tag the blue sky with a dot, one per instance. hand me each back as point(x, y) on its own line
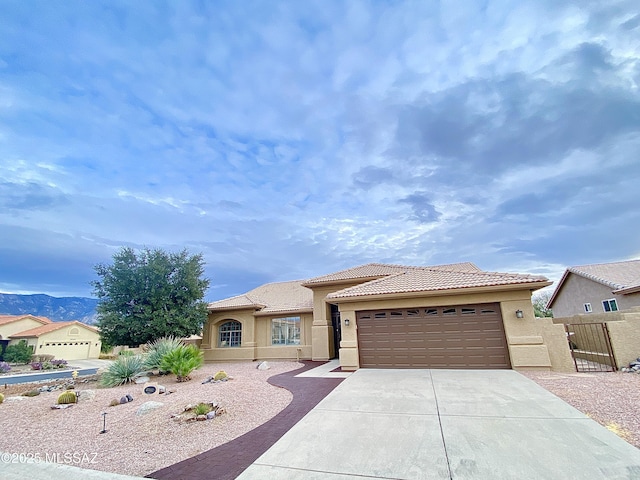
point(285, 140)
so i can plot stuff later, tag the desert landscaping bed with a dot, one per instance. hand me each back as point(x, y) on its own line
point(140, 444)
point(608, 398)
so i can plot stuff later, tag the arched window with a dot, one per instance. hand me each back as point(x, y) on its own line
point(74, 331)
point(230, 334)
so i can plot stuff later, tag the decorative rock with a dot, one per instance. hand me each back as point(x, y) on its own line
point(86, 395)
point(129, 398)
point(123, 400)
point(146, 407)
point(161, 389)
point(208, 380)
point(149, 389)
point(14, 399)
point(61, 407)
point(263, 366)
point(211, 415)
point(200, 418)
point(141, 380)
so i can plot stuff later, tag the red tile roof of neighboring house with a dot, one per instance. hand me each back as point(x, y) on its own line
point(50, 327)
point(621, 277)
point(5, 319)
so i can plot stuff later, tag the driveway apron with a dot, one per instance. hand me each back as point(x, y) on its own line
point(445, 424)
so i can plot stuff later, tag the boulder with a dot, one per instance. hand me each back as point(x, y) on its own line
point(146, 407)
point(86, 395)
point(263, 366)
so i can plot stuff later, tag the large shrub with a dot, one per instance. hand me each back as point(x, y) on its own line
point(123, 370)
point(156, 350)
point(18, 353)
point(182, 361)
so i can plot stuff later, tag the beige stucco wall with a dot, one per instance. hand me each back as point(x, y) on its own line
point(624, 331)
point(70, 343)
point(577, 290)
point(256, 338)
point(22, 325)
point(528, 340)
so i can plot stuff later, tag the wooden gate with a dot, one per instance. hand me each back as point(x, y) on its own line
point(591, 347)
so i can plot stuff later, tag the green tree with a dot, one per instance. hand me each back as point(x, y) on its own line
point(540, 301)
point(150, 294)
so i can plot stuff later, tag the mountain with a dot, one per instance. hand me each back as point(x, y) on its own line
point(57, 309)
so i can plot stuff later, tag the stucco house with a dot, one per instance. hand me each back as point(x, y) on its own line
point(597, 288)
point(380, 315)
point(65, 340)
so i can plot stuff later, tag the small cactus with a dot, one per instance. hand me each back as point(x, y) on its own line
point(67, 397)
point(1, 398)
point(221, 375)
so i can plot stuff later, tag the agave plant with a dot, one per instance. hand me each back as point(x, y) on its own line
point(159, 348)
point(182, 361)
point(123, 370)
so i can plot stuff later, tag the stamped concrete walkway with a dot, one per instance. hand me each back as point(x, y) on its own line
point(228, 461)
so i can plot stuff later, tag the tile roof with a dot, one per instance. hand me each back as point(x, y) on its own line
point(5, 319)
point(426, 279)
point(621, 277)
point(378, 270)
point(270, 298)
point(617, 275)
point(49, 327)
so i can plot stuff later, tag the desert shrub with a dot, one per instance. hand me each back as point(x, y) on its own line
point(47, 366)
point(126, 353)
point(36, 365)
point(201, 409)
point(157, 349)
point(59, 363)
point(122, 370)
point(182, 361)
point(42, 357)
point(18, 353)
point(4, 367)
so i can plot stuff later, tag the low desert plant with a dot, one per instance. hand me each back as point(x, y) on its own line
point(4, 367)
point(114, 403)
point(67, 397)
point(201, 409)
point(126, 353)
point(47, 366)
point(36, 365)
point(31, 393)
point(59, 363)
point(157, 349)
point(42, 357)
point(123, 370)
point(182, 361)
point(18, 353)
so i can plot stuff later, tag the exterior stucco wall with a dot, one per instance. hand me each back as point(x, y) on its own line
point(22, 325)
point(624, 331)
point(70, 343)
point(256, 338)
point(528, 341)
point(577, 290)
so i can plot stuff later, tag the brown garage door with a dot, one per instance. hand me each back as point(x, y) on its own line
point(461, 336)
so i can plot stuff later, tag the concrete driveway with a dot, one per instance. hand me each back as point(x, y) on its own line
point(445, 424)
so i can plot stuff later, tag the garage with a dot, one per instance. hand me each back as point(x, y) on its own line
point(458, 336)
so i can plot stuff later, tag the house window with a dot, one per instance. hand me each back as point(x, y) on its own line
point(285, 331)
point(587, 308)
point(610, 305)
point(230, 334)
point(74, 331)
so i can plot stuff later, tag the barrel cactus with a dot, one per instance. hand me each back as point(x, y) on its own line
point(67, 397)
point(1, 398)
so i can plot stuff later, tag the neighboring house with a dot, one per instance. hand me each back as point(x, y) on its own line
point(604, 287)
point(64, 340)
point(379, 315)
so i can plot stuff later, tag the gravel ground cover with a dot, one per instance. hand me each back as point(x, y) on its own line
point(609, 398)
point(140, 444)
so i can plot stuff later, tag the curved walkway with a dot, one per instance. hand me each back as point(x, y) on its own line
point(229, 460)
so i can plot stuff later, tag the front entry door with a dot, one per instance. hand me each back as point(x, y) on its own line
point(337, 332)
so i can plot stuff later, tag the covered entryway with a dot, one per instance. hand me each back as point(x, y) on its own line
point(459, 336)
